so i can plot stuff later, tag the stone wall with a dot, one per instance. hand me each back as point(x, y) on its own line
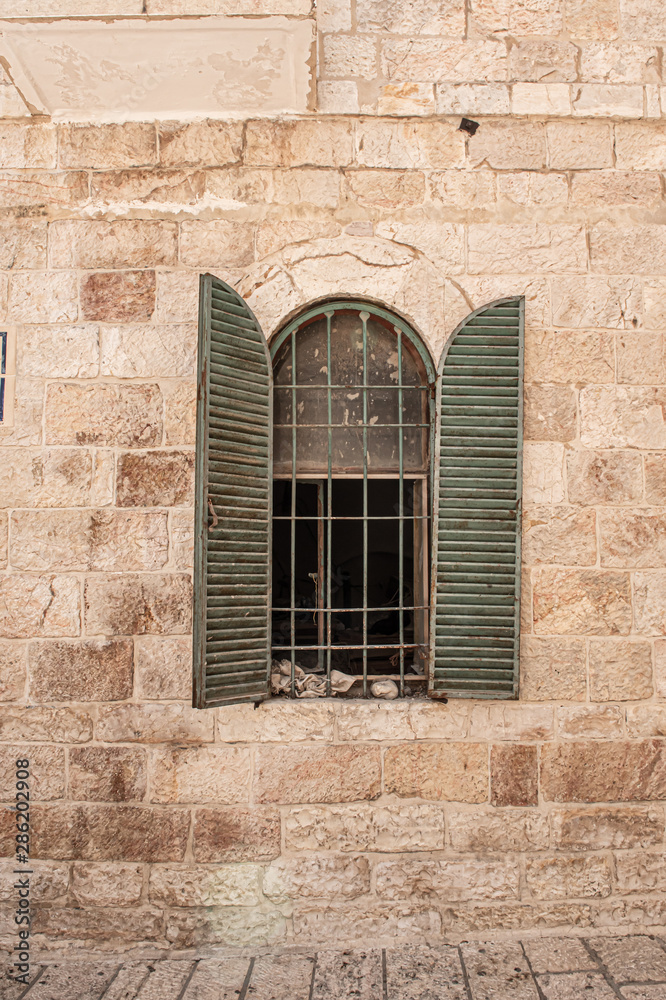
point(337, 821)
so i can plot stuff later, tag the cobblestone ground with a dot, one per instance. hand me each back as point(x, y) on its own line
point(621, 968)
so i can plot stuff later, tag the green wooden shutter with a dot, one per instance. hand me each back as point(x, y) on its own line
point(233, 484)
point(477, 491)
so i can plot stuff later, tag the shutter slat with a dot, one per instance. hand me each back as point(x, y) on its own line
point(476, 535)
point(234, 451)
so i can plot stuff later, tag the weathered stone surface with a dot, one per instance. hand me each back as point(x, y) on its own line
point(36, 606)
point(620, 771)
point(350, 55)
point(276, 721)
point(107, 774)
point(232, 926)
point(632, 538)
point(528, 188)
point(549, 413)
point(236, 834)
point(634, 958)
point(604, 477)
point(442, 244)
point(604, 100)
point(118, 296)
point(610, 827)
point(154, 723)
point(131, 144)
point(148, 351)
point(155, 478)
point(569, 356)
point(241, 187)
point(579, 146)
point(425, 17)
point(454, 772)
point(274, 236)
point(655, 478)
point(497, 249)
point(361, 827)
point(436, 59)
point(48, 883)
point(202, 774)
point(126, 243)
point(58, 352)
point(503, 830)
point(543, 472)
point(347, 924)
point(12, 670)
point(503, 146)
point(180, 400)
point(374, 721)
point(514, 775)
point(53, 725)
point(289, 977)
point(210, 143)
point(317, 774)
point(90, 670)
point(502, 721)
point(386, 189)
point(660, 667)
point(173, 190)
point(182, 538)
point(640, 146)
point(45, 477)
point(640, 358)
point(224, 885)
point(621, 250)
point(559, 535)
point(163, 666)
point(463, 189)
point(109, 927)
point(47, 771)
point(646, 720)
point(620, 670)
point(109, 833)
point(610, 302)
point(559, 877)
point(447, 880)
point(650, 603)
point(106, 884)
point(138, 604)
point(43, 297)
point(557, 954)
point(125, 416)
point(591, 602)
point(89, 540)
point(339, 97)
point(23, 244)
point(642, 872)
point(432, 720)
point(497, 965)
point(216, 244)
point(305, 186)
point(35, 146)
point(409, 144)
point(177, 297)
point(40, 193)
point(615, 187)
point(327, 877)
point(299, 143)
point(539, 61)
point(590, 721)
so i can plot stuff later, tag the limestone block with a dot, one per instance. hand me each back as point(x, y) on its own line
point(138, 604)
point(317, 774)
point(348, 924)
point(299, 143)
point(236, 834)
point(642, 872)
point(602, 100)
point(447, 880)
point(45, 477)
point(209, 143)
point(40, 193)
point(559, 877)
point(276, 721)
point(543, 472)
point(409, 144)
point(157, 189)
point(93, 928)
point(531, 189)
point(361, 827)
point(641, 19)
point(224, 885)
point(334, 15)
point(617, 250)
point(522, 17)
point(94, 832)
point(91, 670)
point(620, 670)
point(177, 297)
point(374, 721)
point(614, 827)
point(23, 244)
point(154, 723)
point(574, 146)
point(592, 722)
point(452, 772)
point(506, 146)
point(47, 883)
point(273, 236)
point(604, 477)
point(233, 188)
point(426, 17)
point(431, 720)
point(182, 539)
point(541, 61)
point(41, 297)
point(595, 771)
point(339, 97)
point(489, 829)
point(163, 666)
point(655, 478)
point(595, 19)
point(660, 668)
point(107, 774)
point(540, 98)
point(243, 7)
point(549, 413)
point(603, 62)
point(58, 351)
point(622, 417)
point(155, 478)
point(602, 302)
point(24, 146)
point(106, 147)
point(618, 187)
point(650, 603)
point(641, 359)
point(350, 55)
point(472, 99)
point(36, 606)
point(102, 492)
point(640, 146)
point(103, 540)
point(442, 243)
point(306, 186)
point(216, 244)
point(47, 771)
point(559, 535)
point(646, 720)
point(502, 721)
point(125, 416)
point(12, 670)
point(585, 601)
point(552, 669)
point(514, 248)
point(125, 243)
point(231, 926)
point(386, 189)
point(118, 296)
point(3, 539)
point(55, 725)
point(106, 884)
point(180, 404)
point(514, 777)
point(436, 59)
point(632, 538)
point(654, 300)
point(200, 774)
point(332, 877)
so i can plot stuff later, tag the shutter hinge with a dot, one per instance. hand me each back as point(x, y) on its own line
point(213, 515)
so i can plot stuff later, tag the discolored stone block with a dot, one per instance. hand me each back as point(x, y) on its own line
point(559, 535)
point(200, 774)
point(569, 356)
point(171, 190)
point(12, 670)
point(23, 244)
point(620, 771)
point(502, 721)
point(36, 606)
point(409, 145)
point(349, 56)
point(231, 926)
point(182, 538)
point(615, 187)
point(487, 829)
point(560, 877)
point(504, 146)
point(454, 772)
point(223, 885)
point(118, 296)
point(447, 880)
point(550, 413)
point(180, 403)
point(500, 249)
point(107, 774)
point(323, 877)
point(650, 602)
point(299, 143)
point(124, 243)
point(646, 720)
point(610, 827)
point(589, 602)
point(48, 477)
point(632, 538)
point(48, 882)
point(391, 828)
point(106, 884)
point(644, 872)
point(32, 146)
point(138, 604)
point(125, 416)
point(513, 775)
point(163, 666)
point(317, 774)
point(47, 771)
point(660, 667)
point(130, 144)
point(427, 17)
point(620, 670)
point(655, 478)
point(219, 244)
point(155, 479)
point(236, 834)
point(386, 189)
point(277, 721)
point(590, 722)
point(209, 143)
point(154, 723)
point(305, 186)
point(604, 477)
point(552, 669)
point(41, 193)
point(90, 670)
point(45, 724)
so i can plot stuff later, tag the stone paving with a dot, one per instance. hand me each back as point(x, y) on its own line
point(610, 968)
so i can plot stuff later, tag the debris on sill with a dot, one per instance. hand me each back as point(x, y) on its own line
point(385, 689)
point(311, 685)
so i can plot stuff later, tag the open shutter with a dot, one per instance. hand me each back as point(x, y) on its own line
point(233, 502)
point(477, 506)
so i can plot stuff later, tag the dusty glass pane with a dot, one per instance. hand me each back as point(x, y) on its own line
point(311, 365)
point(346, 349)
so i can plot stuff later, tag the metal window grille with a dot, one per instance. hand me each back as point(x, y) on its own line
point(352, 423)
point(3, 372)
point(7, 377)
